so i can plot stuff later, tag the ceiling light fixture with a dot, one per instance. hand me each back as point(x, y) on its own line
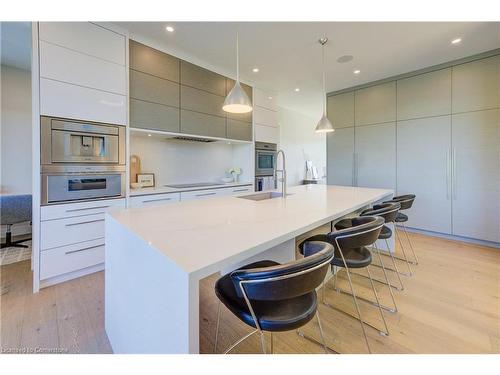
point(170, 29)
point(456, 41)
point(296, 89)
point(357, 71)
point(324, 125)
point(255, 70)
point(269, 97)
point(237, 101)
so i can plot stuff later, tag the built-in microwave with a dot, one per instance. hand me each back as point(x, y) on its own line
point(265, 158)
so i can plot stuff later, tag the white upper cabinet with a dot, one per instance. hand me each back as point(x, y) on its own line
point(476, 85)
point(65, 65)
point(375, 156)
point(264, 116)
point(265, 100)
point(476, 174)
point(424, 95)
point(375, 104)
point(340, 110)
point(87, 38)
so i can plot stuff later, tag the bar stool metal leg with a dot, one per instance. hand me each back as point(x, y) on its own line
point(386, 278)
point(321, 333)
point(411, 244)
point(395, 266)
point(404, 252)
point(378, 304)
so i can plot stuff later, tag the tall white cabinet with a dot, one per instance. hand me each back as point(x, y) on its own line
point(435, 134)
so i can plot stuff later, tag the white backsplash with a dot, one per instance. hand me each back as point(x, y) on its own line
point(174, 161)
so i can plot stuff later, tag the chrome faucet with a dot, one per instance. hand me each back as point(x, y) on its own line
point(283, 172)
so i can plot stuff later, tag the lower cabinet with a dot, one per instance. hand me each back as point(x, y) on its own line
point(423, 168)
point(476, 174)
point(154, 199)
point(72, 237)
point(340, 157)
point(375, 156)
point(202, 194)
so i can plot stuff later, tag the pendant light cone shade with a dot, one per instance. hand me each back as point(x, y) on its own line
point(237, 101)
point(324, 125)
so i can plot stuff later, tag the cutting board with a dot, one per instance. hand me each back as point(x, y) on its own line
point(135, 167)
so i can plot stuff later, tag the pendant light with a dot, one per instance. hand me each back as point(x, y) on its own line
point(324, 125)
point(237, 101)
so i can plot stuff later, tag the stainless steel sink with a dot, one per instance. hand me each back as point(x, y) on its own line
point(264, 196)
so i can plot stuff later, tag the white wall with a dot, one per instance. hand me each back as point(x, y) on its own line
point(15, 132)
point(175, 161)
point(300, 143)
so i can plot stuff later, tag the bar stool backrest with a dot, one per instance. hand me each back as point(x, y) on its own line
point(387, 211)
point(363, 232)
point(406, 201)
point(288, 280)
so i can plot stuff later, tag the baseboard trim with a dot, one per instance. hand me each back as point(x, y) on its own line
point(71, 275)
point(474, 241)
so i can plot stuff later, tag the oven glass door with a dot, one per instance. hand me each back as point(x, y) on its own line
point(264, 163)
point(62, 188)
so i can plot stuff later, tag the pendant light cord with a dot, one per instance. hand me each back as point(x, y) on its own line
point(324, 79)
point(237, 59)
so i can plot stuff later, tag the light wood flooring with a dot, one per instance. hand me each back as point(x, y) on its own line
point(450, 305)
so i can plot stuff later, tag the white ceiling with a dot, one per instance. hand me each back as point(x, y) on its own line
point(288, 54)
point(15, 40)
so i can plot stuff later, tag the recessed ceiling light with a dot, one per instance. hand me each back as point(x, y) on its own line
point(357, 71)
point(255, 70)
point(269, 97)
point(456, 41)
point(344, 59)
point(149, 135)
point(170, 29)
point(296, 89)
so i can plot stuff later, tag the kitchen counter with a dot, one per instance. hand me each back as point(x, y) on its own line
point(155, 256)
point(166, 189)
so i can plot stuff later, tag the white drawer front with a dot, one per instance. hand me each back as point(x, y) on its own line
point(55, 233)
point(65, 65)
point(61, 211)
point(264, 116)
point(71, 258)
point(265, 133)
point(87, 38)
point(61, 99)
point(239, 190)
point(202, 194)
point(154, 199)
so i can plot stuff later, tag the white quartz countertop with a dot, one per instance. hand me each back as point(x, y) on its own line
point(200, 236)
point(166, 189)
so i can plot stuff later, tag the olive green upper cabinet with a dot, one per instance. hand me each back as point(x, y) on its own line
point(424, 95)
point(476, 85)
point(240, 130)
point(203, 79)
point(149, 60)
point(153, 116)
point(201, 101)
point(196, 123)
point(153, 89)
point(340, 110)
point(375, 104)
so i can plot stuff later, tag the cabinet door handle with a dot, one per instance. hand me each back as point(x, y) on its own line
point(448, 167)
point(454, 174)
point(84, 222)
point(157, 200)
point(85, 248)
point(205, 194)
point(235, 191)
point(87, 208)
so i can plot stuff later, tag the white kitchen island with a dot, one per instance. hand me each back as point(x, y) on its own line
point(156, 256)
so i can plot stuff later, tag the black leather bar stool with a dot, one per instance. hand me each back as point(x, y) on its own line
point(275, 297)
point(351, 252)
point(388, 212)
point(406, 202)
